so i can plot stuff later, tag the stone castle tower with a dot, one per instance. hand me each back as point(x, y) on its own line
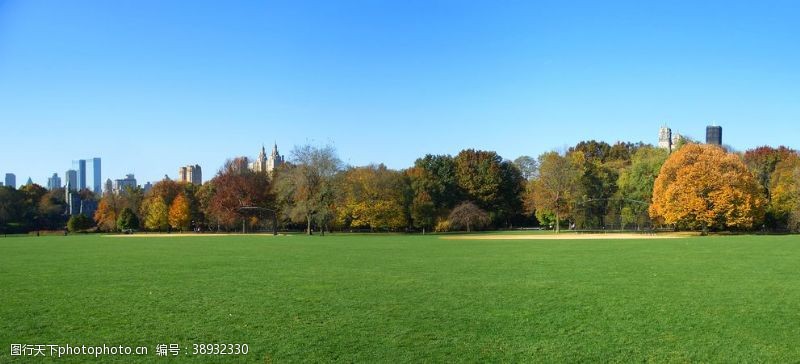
point(267, 164)
point(665, 138)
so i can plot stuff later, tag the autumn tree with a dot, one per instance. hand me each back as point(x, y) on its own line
point(467, 215)
point(179, 214)
point(762, 162)
point(552, 190)
point(784, 206)
point(373, 197)
point(702, 187)
point(157, 216)
point(234, 189)
point(107, 212)
point(306, 189)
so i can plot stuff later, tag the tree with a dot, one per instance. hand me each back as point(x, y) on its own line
point(374, 197)
point(306, 190)
point(12, 210)
point(51, 210)
point(32, 194)
point(107, 212)
point(434, 189)
point(79, 222)
point(468, 215)
point(636, 182)
point(479, 176)
point(234, 189)
point(785, 191)
point(127, 220)
point(553, 189)
point(598, 165)
point(527, 166)
point(762, 162)
point(702, 187)
point(493, 184)
point(157, 214)
point(179, 214)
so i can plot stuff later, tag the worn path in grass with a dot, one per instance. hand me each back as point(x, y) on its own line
point(402, 298)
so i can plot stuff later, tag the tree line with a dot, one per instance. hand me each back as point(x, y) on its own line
point(592, 185)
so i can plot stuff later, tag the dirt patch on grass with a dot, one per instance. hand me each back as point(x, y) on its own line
point(567, 236)
point(179, 235)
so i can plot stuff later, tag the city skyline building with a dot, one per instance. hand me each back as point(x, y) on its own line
point(80, 165)
point(71, 179)
point(191, 174)
point(11, 180)
point(714, 135)
point(128, 181)
point(54, 182)
point(95, 175)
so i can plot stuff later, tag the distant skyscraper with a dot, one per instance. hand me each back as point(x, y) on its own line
point(94, 176)
point(81, 166)
point(714, 135)
point(71, 179)
point(30, 182)
point(665, 138)
point(190, 174)
point(11, 180)
point(147, 187)
point(109, 188)
point(54, 182)
point(128, 181)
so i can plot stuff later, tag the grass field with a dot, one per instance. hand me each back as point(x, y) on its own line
point(404, 298)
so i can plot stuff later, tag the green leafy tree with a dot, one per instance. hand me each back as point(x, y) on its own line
point(307, 190)
point(552, 191)
point(434, 189)
point(636, 182)
point(79, 223)
point(127, 220)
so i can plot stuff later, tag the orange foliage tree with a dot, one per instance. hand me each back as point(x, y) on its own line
point(179, 214)
point(702, 187)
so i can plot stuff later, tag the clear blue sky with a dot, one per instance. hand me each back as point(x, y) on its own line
point(149, 86)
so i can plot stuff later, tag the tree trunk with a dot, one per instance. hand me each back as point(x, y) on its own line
point(558, 224)
point(308, 224)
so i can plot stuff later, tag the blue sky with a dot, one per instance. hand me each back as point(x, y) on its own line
point(149, 86)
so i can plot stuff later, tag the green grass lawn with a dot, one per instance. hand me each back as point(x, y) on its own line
point(403, 298)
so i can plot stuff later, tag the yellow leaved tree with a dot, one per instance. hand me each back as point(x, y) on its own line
point(702, 187)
